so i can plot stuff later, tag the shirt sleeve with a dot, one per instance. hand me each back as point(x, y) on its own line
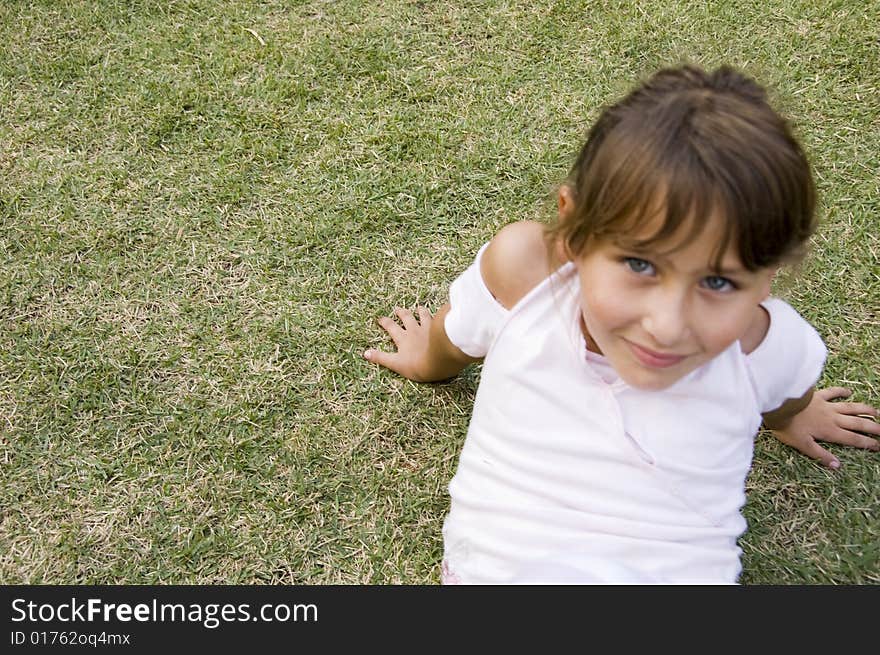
point(475, 315)
point(789, 360)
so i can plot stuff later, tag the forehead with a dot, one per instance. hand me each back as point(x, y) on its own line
point(700, 241)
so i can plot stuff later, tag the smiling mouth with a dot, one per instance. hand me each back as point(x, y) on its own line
point(653, 359)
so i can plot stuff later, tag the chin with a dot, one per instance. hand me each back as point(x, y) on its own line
point(647, 380)
point(649, 384)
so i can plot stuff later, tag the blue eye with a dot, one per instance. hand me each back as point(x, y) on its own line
point(718, 283)
point(639, 266)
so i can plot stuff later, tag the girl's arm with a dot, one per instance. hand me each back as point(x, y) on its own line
point(514, 262)
point(424, 352)
point(801, 422)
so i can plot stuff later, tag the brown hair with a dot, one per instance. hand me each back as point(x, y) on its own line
point(689, 143)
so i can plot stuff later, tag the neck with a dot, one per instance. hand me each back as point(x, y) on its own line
point(592, 346)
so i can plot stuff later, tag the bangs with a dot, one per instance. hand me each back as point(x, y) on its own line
point(684, 150)
point(661, 191)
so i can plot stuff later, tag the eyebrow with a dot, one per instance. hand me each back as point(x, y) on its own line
point(729, 272)
point(640, 249)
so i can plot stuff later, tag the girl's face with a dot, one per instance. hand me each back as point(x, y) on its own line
point(659, 313)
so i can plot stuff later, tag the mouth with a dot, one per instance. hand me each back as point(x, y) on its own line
point(653, 359)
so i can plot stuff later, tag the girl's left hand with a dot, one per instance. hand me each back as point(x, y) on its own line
point(834, 422)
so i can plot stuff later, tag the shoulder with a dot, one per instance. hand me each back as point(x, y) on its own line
point(515, 262)
point(776, 323)
point(787, 360)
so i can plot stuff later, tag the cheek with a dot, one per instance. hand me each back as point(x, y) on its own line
point(721, 328)
point(606, 309)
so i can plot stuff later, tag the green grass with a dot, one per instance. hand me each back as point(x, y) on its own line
point(205, 205)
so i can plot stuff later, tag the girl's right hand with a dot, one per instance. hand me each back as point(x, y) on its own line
point(412, 338)
point(424, 352)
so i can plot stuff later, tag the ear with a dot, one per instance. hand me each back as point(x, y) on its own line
point(566, 202)
point(566, 207)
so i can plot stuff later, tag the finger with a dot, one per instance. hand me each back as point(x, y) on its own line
point(864, 425)
point(406, 317)
point(391, 327)
point(818, 453)
point(834, 392)
point(856, 408)
point(424, 314)
point(382, 358)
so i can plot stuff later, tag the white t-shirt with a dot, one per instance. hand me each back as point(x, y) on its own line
point(568, 475)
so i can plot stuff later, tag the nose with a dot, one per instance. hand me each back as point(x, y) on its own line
point(666, 317)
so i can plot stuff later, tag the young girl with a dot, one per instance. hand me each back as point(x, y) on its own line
point(631, 351)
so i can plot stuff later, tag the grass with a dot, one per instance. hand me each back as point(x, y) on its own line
point(206, 205)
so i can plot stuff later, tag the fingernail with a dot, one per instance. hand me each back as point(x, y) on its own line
point(834, 464)
point(368, 354)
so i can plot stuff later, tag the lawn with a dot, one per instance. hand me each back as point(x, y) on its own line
point(205, 205)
